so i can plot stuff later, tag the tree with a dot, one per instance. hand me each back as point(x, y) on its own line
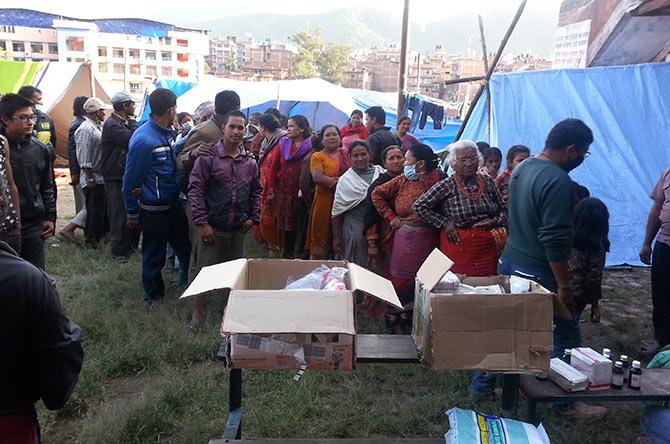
point(318, 59)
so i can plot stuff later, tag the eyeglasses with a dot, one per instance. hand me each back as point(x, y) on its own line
point(25, 118)
point(469, 160)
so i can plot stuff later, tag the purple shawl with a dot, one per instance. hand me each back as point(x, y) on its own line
point(285, 144)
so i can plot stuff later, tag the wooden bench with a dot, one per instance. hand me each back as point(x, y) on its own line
point(385, 349)
point(655, 387)
point(331, 441)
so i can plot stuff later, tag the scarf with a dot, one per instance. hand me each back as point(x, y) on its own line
point(268, 144)
point(285, 144)
point(351, 190)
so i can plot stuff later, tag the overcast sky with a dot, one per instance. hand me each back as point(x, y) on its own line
point(185, 11)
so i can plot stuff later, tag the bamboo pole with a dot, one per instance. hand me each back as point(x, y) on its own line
point(402, 78)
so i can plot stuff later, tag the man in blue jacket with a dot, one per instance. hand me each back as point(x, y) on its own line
point(151, 168)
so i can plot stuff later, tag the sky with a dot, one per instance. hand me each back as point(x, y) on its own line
point(183, 12)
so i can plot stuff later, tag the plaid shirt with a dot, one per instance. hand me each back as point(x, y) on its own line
point(444, 203)
point(87, 138)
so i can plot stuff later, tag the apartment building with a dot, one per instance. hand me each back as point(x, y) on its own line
point(125, 54)
point(250, 59)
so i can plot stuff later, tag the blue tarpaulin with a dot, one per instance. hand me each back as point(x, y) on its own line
point(628, 109)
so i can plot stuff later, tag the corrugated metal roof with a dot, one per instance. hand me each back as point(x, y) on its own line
point(132, 26)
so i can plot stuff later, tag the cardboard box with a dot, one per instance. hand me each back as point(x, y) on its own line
point(567, 377)
point(270, 328)
point(594, 365)
point(507, 333)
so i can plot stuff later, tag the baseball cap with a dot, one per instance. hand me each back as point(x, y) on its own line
point(121, 97)
point(94, 104)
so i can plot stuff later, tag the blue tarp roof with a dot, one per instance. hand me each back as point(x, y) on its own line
point(628, 109)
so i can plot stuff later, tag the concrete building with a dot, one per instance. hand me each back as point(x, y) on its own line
point(612, 32)
point(250, 59)
point(125, 54)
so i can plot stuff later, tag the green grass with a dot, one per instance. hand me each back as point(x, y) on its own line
point(146, 380)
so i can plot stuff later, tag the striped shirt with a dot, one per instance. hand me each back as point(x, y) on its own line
point(87, 139)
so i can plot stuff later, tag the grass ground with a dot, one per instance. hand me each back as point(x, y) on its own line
point(146, 380)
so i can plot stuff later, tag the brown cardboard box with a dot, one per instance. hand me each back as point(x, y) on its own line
point(508, 333)
point(268, 327)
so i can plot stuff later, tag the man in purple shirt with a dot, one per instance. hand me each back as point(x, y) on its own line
point(658, 222)
point(225, 196)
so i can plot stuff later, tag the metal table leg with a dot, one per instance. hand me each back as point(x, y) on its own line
point(532, 412)
point(510, 395)
point(234, 424)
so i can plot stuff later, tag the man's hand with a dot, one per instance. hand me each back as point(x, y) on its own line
point(137, 192)
point(485, 224)
point(74, 179)
point(452, 233)
point(565, 295)
point(48, 229)
point(396, 223)
point(206, 233)
point(645, 254)
point(203, 150)
point(133, 224)
point(248, 225)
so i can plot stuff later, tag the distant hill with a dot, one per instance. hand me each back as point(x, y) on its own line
point(367, 28)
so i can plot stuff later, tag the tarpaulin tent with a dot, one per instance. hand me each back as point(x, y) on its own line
point(628, 109)
point(60, 83)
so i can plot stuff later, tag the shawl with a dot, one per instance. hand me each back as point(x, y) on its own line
point(351, 190)
point(285, 144)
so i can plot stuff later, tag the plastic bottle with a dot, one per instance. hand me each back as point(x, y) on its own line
point(635, 378)
point(607, 353)
point(626, 367)
point(566, 355)
point(617, 376)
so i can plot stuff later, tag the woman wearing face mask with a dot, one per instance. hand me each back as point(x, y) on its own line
point(348, 209)
point(470, 212)
point(403, 134)
point(413, 239)
point(326, 166)
point(354, 129)
point(288, 165)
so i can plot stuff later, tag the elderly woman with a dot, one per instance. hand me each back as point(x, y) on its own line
point(348, 209)
point(413, 239)
point(515, 155)
point(470, 212)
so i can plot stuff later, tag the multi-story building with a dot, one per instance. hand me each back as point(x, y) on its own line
point(250, 58)
point(359, 78)
point(125, 54)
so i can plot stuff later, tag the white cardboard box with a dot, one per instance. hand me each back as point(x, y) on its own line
point(567, 377)
point(594, 365)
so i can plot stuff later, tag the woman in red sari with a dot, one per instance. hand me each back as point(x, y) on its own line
point(354, 129)
point(287, 165)
point(272, 130)
point(469, 211)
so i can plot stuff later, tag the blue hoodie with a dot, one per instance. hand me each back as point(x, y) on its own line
point(150, 165)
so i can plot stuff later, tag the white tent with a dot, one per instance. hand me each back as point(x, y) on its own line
point(318, 100)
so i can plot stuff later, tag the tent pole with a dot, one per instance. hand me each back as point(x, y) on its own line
point(485, 59)
point(492, 68)
point(90, 73)
point(402, 78)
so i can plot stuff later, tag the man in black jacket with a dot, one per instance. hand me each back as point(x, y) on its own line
point(116, 132)
point(40, 348)
point(44, 129)
point(33, 175)
point(380, 135)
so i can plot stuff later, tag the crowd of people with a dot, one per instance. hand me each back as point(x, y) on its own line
point(194, 186)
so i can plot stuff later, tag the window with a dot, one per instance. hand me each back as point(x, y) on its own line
point(102, 51)
point(75, 43)
point(53, 48)
point(150, 55)
point(9, 29)
point(182, 72)
point(151, 71)
point(18, 47)
point(134, 53)
point(167, 71)
point(37, 47)
point(182, 42)
point(182, 57)
point(166, 56)
point(135, 87)
point(165, 40)
point(119, 68)
point(3, 45)
point(117, 53)
point(135, 69)
point(102, 67)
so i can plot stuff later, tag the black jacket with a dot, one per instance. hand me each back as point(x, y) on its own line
point(379, 139)
point(116, 134)
point(33, 175)
point(40, 349)
point(73, 163)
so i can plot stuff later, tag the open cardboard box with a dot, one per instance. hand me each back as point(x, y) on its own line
point(506, 333)
point(268, 327)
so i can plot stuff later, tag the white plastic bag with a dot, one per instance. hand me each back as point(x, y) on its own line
point(448, 284)
point(468, 427)
point(322, 278)
point(482, 289)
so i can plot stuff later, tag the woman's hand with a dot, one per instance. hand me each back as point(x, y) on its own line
point(452, 233)
point(396, 223)
point(595, 313)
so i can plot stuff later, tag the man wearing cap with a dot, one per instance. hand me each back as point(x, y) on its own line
point(87, 138)
point(116, 132)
